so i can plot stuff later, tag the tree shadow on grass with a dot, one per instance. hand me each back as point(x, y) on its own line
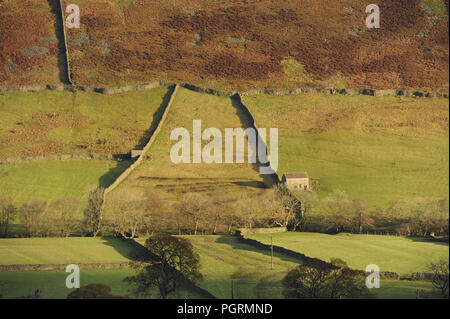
point(123, 247)
point(234, 243)
point(437, 241)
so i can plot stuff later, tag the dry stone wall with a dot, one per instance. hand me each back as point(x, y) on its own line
point(63, 266)
point(128, 171)
point(64, 157)
point(253, 92)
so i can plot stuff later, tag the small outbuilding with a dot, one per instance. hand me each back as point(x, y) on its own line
point(296, 181)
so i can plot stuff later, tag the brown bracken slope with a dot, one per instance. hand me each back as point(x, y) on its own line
point(237, 44)
point(31, 49)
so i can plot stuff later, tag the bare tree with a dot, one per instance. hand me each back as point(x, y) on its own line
point(193, 206)
point(440, 271)
point(7, 213)
point(31, 216)
point(93, 212)
point(62, 217)
point(289, 209)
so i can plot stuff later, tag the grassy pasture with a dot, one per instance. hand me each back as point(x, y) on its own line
point(401, 289)
point(223, 260)
point(399, 254)
point(51, 180)
point(15, 251)
point(49, 122)
point(52, 283)
point(169, 180)
point(374, 148)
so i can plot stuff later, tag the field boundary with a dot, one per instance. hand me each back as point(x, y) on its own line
point(33, 267)
point(252, 92)
point(303, 257)
point(141, 157)
point(63, 157)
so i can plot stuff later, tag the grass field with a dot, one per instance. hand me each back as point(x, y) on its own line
point(399, 254)
point(65, 251)
point(50, 122)
point(62, 250)
point(169, 180)
point(51, 180)
point(401, 289)
point(375, 148)
point(52, 283)
point(223, 260)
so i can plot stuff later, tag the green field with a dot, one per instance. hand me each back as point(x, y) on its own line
point(51, 180)
point(52, 283)
point(224, 262)
point(51, 122)
point(375, 148)
point(224, 259)
point(400, 254)
point(16, 251)
point(401, 289)
point(169, 180)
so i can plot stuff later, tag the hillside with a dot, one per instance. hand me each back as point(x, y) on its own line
point(55, 123)
point(31, 43)
point(379, 149)
point(231, 44)
point(400, 254)
point(223, 182)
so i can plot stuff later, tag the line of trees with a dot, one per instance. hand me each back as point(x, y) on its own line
point(336, 213)
point(130, 214)
point(62, 218)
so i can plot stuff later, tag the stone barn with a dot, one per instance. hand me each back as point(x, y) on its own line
point(296, 180)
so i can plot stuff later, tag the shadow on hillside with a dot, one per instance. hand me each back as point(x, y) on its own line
point(247, 121)
point(109, 178)
point(59, 31)
point(429, 240)
point(234, 242)
point(254, 184)
point(156, 119)
point(124, 248)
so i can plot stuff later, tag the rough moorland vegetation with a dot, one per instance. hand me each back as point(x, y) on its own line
point(244, 44)
point(31, 50)
point(234, 44)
